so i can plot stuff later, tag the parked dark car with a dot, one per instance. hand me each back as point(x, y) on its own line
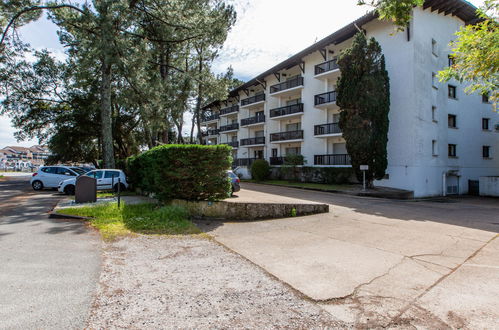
point(234, 179)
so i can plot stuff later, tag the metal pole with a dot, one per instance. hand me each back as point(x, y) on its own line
point(119, 192)
point(364, 176)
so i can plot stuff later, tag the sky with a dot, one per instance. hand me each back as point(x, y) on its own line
point(266, 32)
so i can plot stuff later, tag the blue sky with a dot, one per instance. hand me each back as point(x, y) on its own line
point(266, 32)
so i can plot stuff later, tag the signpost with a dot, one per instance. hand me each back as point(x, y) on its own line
point(364, 168)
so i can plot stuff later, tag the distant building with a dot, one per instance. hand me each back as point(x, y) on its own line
point(22, 158)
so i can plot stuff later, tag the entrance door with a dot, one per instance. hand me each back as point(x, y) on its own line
point(259, 154)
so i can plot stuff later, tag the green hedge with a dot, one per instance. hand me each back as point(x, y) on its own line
point(191, 172)
point(260, 170)
point(329, 175)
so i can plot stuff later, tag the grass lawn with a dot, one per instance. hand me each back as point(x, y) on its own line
point(320, 186)
point(145, 218)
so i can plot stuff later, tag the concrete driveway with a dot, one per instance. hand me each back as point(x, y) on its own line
point(49, 270)
point(373, 262)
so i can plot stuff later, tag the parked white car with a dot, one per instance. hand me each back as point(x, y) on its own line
point(107, 179)
point(50, 176)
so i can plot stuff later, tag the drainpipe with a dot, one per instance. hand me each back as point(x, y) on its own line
point(444, 184)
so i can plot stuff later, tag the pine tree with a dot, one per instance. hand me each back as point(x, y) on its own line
point(364, 99)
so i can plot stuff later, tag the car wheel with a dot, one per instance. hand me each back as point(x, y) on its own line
point(122, 187)
point(37, 185)
point(69, 190)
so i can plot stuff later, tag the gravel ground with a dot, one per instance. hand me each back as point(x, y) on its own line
point(187, 282)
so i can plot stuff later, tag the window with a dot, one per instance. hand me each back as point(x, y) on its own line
point(49, 170)
point(485, 98)
point(452, 150)
point(434, 80)
point(434, 49)
point(434, 113)
point(274, 152)
point(452, 120)
point(451, 60)
point(485, 123)
point(486, 151)
point(293, 151)
point(95, 174)
point(293, 102)
point(293, 127)
point(434, 148)
point(259, 133)
point(111, 174)
point(65, 171)
point(452, 92)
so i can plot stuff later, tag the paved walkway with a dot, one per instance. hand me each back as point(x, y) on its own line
point(48, 269)
point(381, 263)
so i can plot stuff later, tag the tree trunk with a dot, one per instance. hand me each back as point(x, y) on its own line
point(105, 112)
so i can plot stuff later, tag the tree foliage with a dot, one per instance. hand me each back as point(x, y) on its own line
point(397, 11)
point(364, 99)
point(132, 73)
point(475, 54)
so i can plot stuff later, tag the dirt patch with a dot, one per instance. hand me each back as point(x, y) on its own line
point(194, 283)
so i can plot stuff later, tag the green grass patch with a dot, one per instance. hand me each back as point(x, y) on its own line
point(319, 186)
point(145, 218)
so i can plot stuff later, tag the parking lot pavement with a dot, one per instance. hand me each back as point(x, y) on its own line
point(48, 269)
point(379, 262)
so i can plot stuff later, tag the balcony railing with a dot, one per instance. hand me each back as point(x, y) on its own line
point(210, 132)
point(326, 66)
point(229, 127)
point(294, 82)
point(253, 99)
point(211, 117)
point(287, 110)
point(333, 128)
point(285, 136)
point(231, 109)
point(325, 98)
point(233, 144)
point(243, 162)
point(253, 141)
point(338, 159)
point(253, 120)
point(279, 161)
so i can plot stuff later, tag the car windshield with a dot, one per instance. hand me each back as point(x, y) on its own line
point(78, 170)
point(232, 175)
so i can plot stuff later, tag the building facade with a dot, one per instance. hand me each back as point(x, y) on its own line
point(439, 137)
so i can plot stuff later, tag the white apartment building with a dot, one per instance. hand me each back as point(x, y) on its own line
point(439, 137)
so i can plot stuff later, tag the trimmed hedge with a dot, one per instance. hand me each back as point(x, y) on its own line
point(191, 172)
point(260, 170)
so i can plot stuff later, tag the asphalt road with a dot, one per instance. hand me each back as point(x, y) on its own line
point(49, 269)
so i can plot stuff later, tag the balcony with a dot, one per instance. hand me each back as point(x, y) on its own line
point(243, 162)
point(276, 161)
point(229, 110)
point(212, 117)
point(286, 136)
point(253, 100)
point(335, 159)
point(287, 87)
point(233, 144)
point(326, 69)
point(325, 99)
point(253, 141)
point(287, 111)
point(327, 129)
point(253, 120)
point(228, 128)
point(210, 132)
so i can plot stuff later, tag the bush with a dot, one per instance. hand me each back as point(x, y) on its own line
point(191, 172)
point(329, 175)
point(260, 170)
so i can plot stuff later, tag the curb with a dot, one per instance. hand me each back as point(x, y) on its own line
point(54, 215)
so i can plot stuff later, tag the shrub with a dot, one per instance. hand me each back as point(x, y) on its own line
point(260, 170)
point(191, 172)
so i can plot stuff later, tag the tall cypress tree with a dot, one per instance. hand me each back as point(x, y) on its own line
point(364, 99)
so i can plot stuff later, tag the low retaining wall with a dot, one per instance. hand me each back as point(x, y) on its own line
point(249, 211)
